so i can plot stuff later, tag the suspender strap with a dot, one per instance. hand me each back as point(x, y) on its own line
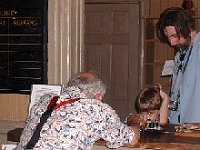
point(52, 106)
point(36, 135)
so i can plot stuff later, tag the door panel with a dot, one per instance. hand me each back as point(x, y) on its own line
point(112, 48)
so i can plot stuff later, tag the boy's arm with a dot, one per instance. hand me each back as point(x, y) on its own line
point(164, 108)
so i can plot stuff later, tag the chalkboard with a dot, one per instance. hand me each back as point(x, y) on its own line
point(23, 44)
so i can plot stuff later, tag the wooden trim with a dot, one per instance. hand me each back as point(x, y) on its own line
point(112, 1)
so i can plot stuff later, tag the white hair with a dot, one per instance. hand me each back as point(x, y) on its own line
point(91, 88)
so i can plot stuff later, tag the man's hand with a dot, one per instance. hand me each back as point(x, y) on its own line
point(133, 120)
point(136, 130)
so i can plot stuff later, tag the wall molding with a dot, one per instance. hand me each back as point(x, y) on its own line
point(65, 39)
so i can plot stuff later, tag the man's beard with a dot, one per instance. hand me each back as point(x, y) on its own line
point(183, 47)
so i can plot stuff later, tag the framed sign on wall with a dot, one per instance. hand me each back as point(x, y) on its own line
point(23, 44)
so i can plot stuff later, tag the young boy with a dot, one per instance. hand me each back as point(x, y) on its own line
point(151, 104)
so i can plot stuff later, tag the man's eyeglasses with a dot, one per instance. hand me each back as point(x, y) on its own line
point(172, 37)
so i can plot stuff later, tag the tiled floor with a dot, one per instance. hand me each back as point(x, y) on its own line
point(6, 126)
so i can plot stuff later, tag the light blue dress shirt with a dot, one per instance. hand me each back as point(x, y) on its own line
point(187, 82)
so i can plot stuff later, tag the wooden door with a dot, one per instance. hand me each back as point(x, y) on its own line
point(112, 48)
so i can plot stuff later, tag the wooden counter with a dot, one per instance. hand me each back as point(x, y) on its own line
point(167, 140)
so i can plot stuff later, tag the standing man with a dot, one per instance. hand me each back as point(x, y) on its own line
point(176, 27)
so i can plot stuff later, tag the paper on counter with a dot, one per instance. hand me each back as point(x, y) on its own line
point(168, 68)
point(39, 90)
